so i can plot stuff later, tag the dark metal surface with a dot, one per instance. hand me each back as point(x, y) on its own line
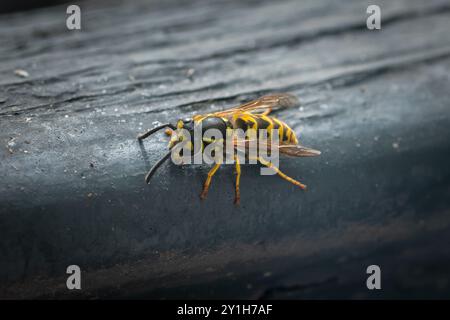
point(376, 103)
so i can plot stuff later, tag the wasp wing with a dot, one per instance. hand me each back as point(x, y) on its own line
point(298, 151)
point(293, 150)
point(263, 105)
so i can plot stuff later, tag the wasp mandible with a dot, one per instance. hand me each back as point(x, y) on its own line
point(251, 115)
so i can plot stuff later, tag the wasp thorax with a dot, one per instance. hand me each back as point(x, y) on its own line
point(214, 123)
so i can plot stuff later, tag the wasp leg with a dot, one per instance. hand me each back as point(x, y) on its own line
point(208, 180)
point(237, 197)
point(281, 174)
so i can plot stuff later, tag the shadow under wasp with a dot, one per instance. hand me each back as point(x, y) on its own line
point(252, 115)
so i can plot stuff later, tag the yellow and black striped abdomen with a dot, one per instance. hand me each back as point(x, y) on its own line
point(285, 133)
point(247, 121)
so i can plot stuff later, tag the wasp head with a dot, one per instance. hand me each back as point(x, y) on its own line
point(184, 130)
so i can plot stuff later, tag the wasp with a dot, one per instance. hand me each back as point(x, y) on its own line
point(251, 115)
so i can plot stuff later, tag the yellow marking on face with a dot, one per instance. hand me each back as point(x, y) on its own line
point(173, 139)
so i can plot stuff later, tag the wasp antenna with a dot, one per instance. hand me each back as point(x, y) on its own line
point(151, 131)
point(152, 171)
